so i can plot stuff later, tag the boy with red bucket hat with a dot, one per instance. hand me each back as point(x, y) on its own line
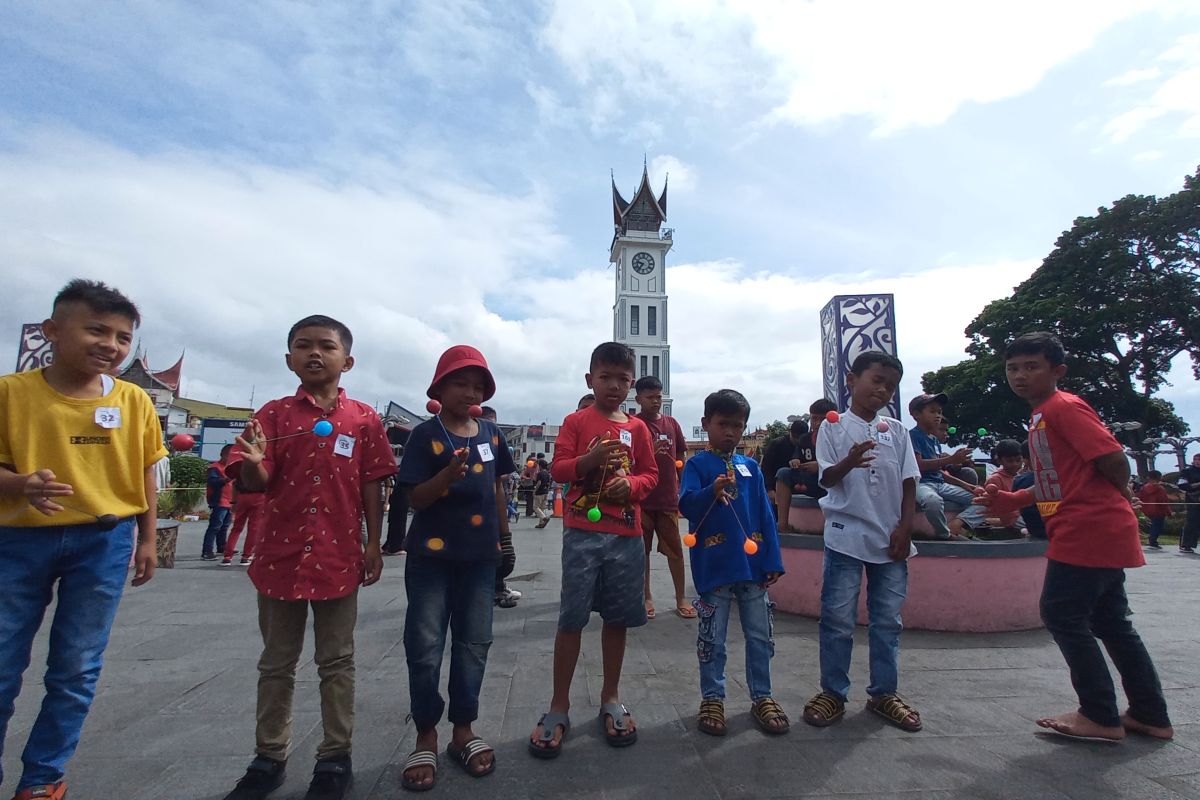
point(454, 466)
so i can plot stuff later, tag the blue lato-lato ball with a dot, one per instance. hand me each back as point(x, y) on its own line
point(323, 428)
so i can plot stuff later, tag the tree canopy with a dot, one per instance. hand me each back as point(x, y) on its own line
point(1121, 289)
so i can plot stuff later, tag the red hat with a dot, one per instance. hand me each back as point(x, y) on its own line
point(459, 357)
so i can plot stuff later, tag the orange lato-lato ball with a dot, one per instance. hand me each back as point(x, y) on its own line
point(750, 546)
point(531, 463)
point(678, 465)
point(833, 417)
point(689, 538)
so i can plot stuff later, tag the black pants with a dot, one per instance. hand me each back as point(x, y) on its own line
point(397, 520)
point(1081, 605)
point(1191, 527)
point(528, 501)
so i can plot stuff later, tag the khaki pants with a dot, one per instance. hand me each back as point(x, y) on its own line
point(539, 506)
point(283, 623)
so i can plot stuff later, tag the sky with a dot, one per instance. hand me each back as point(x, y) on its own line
point(435, 173)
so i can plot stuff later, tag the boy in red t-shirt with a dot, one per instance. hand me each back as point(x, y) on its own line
point(1081, 487)
point(1156, 505)
point(321, 458)
point(607, 458)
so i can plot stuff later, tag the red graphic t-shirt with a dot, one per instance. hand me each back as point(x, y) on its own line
point(1088, 520)
point(310, 547)
point(578, 434)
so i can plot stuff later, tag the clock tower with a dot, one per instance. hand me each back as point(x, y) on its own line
point(639, 250)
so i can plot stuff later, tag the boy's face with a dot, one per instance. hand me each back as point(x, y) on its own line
point(1031, 377)
point(929, 418)
point(724, 430)
point(610, 383)
point(88, 341)
point(317, 356)
point(1011, 464)
point(650, 401)
point(462, 389)
point(875, 388)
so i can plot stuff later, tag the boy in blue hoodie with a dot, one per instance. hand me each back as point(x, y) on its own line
point(735, 556)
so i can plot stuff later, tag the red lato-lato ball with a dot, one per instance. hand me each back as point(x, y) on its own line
point(182, 442)
point(881, 426)
point(750, 546)
point(475, 411)
point(689, 539)
point(833, 416)
point(433, 407)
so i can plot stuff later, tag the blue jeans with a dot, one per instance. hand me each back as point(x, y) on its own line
point(1157, 526)
point(219, 520)
point(756, 611)
point(458, 595)
point(89, 565)
point(934, 498)
point(887, 586)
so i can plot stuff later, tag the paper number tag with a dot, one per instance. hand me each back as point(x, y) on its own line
point(108, 417)
point(627, 438)
point(743, 470)
point(485, 451)
point(344, 445)
point(885, 438)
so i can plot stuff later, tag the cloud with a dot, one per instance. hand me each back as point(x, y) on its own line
point(1134, 76)
point(896, 65)
point(1175, 89)
point(684, 178)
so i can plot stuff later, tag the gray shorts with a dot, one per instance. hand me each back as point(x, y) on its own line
point(602, 572)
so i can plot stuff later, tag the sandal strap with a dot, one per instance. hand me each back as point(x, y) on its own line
point(825, 705)
point(421, 758)
point(473, 748)
point(551, 720)
point(895, 708)
point(712, 709)
point(767, 709)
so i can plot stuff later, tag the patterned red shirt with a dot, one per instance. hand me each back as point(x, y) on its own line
point(311, 542)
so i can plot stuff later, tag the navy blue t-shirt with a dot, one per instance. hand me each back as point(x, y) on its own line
point(927, 446)
point(461, 526)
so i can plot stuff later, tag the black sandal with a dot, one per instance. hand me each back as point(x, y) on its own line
point(419, 758)
point(474, 747)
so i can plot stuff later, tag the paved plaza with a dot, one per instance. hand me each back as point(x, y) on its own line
point(174, 718)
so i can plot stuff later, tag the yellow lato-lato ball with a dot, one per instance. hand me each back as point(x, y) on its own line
point(435, 544)
point(689, 539)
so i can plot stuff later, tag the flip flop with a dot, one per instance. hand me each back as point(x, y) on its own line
point(472, 748)
point(650, 611)
point(618, 712)
point(687, 612)
point(419, 758)
point(549, 721)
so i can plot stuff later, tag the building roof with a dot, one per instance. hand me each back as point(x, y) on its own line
point(203, 410)
point(645, 212)
point(138, 371)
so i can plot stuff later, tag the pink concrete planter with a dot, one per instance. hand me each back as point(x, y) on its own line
point(979, 587)
point(810, 520)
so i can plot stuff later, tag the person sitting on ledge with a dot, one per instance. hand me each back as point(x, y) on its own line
point(1006, 455)
point(937, 489)
point(800, 473)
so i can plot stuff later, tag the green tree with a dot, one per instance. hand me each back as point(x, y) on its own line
point(776, 429)
point(1121, 290)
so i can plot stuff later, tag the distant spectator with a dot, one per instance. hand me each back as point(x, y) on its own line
point(1155, 505)
point(220, 507)
point(1189, 484)
point(1029, 514)
point(588, 399)
point(780, 451)
point(1007, 455)
point(800, 473)
point(939, 491)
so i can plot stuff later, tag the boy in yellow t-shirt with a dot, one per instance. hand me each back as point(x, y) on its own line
point(77, 455)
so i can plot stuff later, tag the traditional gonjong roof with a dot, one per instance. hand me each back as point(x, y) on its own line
point(645, 212)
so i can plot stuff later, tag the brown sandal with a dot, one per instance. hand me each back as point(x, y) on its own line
point(824, 710)
point(765, 712)
point(712, 717)
point(896, 711)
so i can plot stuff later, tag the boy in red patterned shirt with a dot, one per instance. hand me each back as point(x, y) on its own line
point(321, 457)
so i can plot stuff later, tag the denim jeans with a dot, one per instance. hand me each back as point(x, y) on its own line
point(89, 565)
point(1083, 604)
point(934, 498)
point(1157, 526)
point(887, 586)
point(756, 612)
point(455, 594)
point(219, 520)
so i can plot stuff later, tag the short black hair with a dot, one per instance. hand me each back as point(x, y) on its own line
point(647, 383)
point(1006, 448)
point(822, 407)
point(864, 360)
point(798, 428)
point(614, 354)
point(99, 297)
point(727, 401)
point(1037, 343)
point(226, 449)
point(586, 397)
point(1155, 474)
point(488, 411)
point(322, 321)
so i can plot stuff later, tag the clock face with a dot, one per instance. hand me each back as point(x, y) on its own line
point(643, 263)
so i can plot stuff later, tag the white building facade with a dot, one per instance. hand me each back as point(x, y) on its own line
point(639, 251)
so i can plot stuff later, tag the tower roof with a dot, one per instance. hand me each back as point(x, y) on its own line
point(645, 212)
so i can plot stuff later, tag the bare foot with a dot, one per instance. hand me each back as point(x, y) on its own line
point(1133, 726)
point(1077, 725)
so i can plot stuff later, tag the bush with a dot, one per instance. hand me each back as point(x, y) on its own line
point(188, 470)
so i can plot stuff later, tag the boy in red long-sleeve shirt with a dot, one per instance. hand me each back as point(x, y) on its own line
point(1156, 505)
point(607, 458)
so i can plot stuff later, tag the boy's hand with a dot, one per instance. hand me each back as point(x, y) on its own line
point(721, 487)
point(810, 466)
point(663, 447)
point(145, 560)
point(372, 564)
point(456, 470)
point(960, 456)
point(252, 443)
point(605, 451)
point(616, 491)
point(771, 578)
point(40, 486)
point(795, 463)
point(859, 455)
point(900, 543)
point(1001, 503)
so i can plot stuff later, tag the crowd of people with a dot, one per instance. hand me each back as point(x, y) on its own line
point(76, 484)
